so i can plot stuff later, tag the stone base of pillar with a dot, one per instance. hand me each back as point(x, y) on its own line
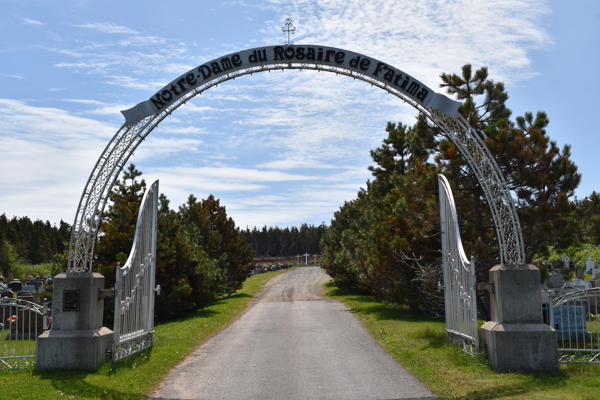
point(516, 339)
point(77, 339)
point(520, 347)
point(83, 350)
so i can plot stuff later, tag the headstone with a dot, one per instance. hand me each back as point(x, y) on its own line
point(569, 322)
point(15, 285)
point(590, 265)
point(565, 260)
point(580, 274)
point(577, 284)
point(29, 288)
point(28, 296)
point(555, 281)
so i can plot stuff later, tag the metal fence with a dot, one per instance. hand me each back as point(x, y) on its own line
point(576, 318)
point(459, 277)
point(134, 287)
point(22, 323)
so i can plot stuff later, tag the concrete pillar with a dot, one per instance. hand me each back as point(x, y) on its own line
point(516, 339)
point(77, 339)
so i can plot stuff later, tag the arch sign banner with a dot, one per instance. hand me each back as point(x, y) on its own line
point(296, 54)
point(142, 119)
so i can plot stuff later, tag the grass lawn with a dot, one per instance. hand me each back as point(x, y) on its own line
point(419, 344)
point(136, 376)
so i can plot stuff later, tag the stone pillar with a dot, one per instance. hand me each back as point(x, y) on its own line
point(77, 339)
point(516, 339)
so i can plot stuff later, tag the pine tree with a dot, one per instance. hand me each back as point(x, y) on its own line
point(387, 240)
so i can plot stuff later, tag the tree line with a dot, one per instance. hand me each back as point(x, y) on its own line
point(201, 254)
point(286, 242)
point(387, 240)
point(33, 242)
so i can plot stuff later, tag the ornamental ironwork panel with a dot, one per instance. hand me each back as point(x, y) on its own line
point(142, 119)
point(575, 317)
point(459, 277)
point(134, 287)
point(22, 323)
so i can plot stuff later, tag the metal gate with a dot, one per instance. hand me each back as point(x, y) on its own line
point(576, 318)
point(134, 287)
point(22, 323)
point(459, 277)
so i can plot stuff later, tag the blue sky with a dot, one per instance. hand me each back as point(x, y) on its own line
point(277, 148)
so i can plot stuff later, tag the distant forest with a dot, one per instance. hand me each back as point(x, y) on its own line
point(34, 242)
point(37, 242)
point(278, 242)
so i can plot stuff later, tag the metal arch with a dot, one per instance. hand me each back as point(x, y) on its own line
point(128, 138)
point(576, 295)
point(489, 176)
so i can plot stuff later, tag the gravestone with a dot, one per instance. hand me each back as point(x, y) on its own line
point(580, 274)
point(15, 285)
point(29, 288)
point(577, 284)
point(590, 266)
point(545, 307)
point(570, 322)
point(555, 281)
point(565, 260)
point(27, 296)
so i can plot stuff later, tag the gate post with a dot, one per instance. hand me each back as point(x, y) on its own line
point(77, 339)
point(516, 339)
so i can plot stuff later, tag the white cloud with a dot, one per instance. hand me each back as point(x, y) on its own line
point(426, 37)
point(232, 174)
point(30, 21)
point(52, 153)
point(143, 41)
point(85, 101)
point(301, 162)
point(300, 140)
point(13, 76)
point(134, 83)
point(108, 27)
point(159, 147)
point(188, 130)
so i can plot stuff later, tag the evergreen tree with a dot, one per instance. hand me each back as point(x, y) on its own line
point(200, 252)
point(387, 240)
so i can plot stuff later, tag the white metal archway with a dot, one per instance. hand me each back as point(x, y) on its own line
point(144, 117)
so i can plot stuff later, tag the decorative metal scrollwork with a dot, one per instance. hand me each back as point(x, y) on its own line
point(459, 277)
point(128, 138)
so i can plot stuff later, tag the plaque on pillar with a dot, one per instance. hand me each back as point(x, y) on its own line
point(71, 300)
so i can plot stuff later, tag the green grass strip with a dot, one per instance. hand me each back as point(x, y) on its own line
point(419, 344)
point(136, 376)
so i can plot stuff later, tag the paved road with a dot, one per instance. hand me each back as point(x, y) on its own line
point(292, 344)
